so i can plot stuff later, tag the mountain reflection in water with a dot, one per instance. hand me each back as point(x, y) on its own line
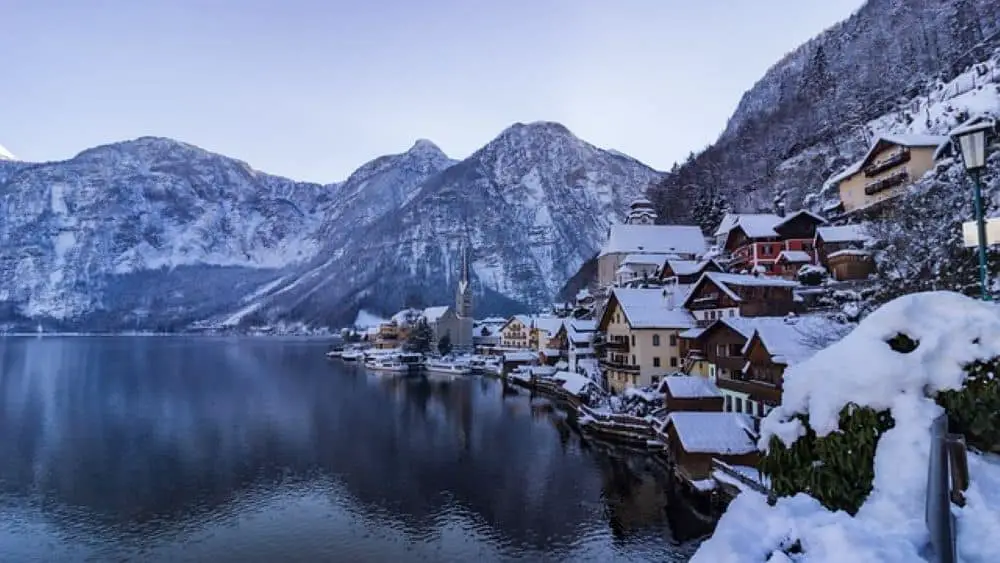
point(252, 449)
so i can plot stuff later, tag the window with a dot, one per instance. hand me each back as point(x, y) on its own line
point(656, 340)
point(749, 406)
point(732, 313)
point(656, 362)
point(673, 361)
point(633, 359)
point(673, 340)
point(656, 380)
point(633, 342)
point(735, 351)
point(729, 403)
point(739, 404)
point(721, 350)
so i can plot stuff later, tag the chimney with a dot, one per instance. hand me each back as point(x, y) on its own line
point(779, 209)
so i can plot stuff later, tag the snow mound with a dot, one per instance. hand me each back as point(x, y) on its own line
point(952, 331)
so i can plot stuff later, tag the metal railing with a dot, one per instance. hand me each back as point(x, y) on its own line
point(947, 479)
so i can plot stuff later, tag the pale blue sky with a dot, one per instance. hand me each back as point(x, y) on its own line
point(311, 90)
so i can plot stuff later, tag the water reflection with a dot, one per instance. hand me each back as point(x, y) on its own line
point(199, 449)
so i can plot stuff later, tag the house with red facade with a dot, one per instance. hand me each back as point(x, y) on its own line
point(755, 242)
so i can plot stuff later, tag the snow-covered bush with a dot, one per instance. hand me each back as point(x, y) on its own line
point(812, 275)
point(873, 396)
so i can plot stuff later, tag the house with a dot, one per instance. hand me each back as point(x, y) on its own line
point(579, 337)
point(722, 350)
point(891, 164)
point(686, 271)
point(841, 250)
point(690, 393)
point(544, 331)
point(716, 296)
point(393, 334)
point(789, 263)
point(640, 337)
point(516, 332)
point(695, 438)
point(640, 267)
point(638, 235)
point(754, 242)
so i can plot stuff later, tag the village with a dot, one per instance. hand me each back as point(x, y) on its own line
point(680, 346)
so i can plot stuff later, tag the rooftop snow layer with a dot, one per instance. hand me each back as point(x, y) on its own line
point(843, 233)
point(432, 314)
point(713, 432)
point(647, 308)
point(655, 239)
point(795, 256)
point(648, 259)
point(689, 387)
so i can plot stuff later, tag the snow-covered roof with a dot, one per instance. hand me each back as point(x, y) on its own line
point(432, 314)
point(524, 356)
point(550, 325)
point(523, 319)
point(583, 325)
point(843, 233)
point(687, 267)
point(788, 218)
point(406, 316)
point(849, 252)
point(726, 224)
point(725, 282)
point(573, 382)
point(713, 432)
point(652, 259)
point(755, 225)
point(795, 256)
point(692, 333)
point(654, 239)
point(6, 154)
point(647, 308)
point(551, 352)
point(689, 387)
point(792, 340)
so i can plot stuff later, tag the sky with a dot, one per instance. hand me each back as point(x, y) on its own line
point(313, 89)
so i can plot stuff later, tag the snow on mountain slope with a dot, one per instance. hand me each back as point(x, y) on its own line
point(531, 206)
point(6, 154)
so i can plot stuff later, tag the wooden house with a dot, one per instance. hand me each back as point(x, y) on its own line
point(690, 393)
point(719, 296)
point(695, 438)
point(841, 250)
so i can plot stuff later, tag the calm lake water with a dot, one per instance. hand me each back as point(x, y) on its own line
point(218, 449)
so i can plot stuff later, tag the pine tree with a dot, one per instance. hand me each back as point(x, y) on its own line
point(444, 344)
point(421, 338)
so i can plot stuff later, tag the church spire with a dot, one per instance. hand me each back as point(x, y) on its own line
point(463, 300)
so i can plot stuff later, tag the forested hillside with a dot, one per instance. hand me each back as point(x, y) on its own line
point(808, 116)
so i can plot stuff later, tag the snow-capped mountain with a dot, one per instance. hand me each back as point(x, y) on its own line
point(6, 154)
point(530, 207)
point(159, 234)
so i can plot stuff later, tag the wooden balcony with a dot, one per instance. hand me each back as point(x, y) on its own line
point(618, 366)
point(891, 161)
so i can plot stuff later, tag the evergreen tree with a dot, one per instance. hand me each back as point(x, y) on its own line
point(444, 344)
point(421, 338)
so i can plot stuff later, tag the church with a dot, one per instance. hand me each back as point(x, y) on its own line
point(455, 321)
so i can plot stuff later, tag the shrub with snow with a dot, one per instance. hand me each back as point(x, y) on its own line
point(812, 275)
point(885, 378)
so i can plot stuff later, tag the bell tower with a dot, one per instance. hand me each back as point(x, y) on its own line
point(463, 299)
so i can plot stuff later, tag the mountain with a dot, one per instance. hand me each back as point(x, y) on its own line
point(155, 234)
point(6, 154)
point(531, 206)
point(809, 115)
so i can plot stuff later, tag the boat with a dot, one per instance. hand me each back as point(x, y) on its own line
point(444, 366)
point(353, 355)
point(393, 361)
point(335, 351)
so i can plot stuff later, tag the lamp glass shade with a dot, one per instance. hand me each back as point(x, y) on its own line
point(973, 145)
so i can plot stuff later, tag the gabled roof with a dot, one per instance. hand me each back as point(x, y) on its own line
point(689, 387)
point(550, 325)
point(654, 239)
point(432, 314)
point(647, 308)
point(726, 282)
point(843, 233)
point(523, 319)
point(905, 140)
point(689, 267)
point(713, 432)
point(800, 213)
point(794, 256)
point(795, 339)
point(583, 325)
point(406, 316)
point(757, 225)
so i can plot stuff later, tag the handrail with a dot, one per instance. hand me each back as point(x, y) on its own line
point(723, 467)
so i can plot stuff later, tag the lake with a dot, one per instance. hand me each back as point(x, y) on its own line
point(261, 449)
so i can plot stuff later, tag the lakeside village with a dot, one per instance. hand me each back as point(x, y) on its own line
point(681, 346)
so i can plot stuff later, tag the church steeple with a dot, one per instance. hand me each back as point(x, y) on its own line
point(463, 300)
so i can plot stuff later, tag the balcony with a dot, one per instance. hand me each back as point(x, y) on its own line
point(758, 390)
point(891, 161)
point(891, 181)
point(619, 344)
point(618, 366)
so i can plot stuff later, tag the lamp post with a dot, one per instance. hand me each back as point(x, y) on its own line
point(971, 140)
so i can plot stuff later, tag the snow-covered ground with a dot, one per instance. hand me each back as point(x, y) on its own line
point(952, 331)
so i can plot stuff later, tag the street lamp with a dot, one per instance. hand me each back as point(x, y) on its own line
point(971, 139)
